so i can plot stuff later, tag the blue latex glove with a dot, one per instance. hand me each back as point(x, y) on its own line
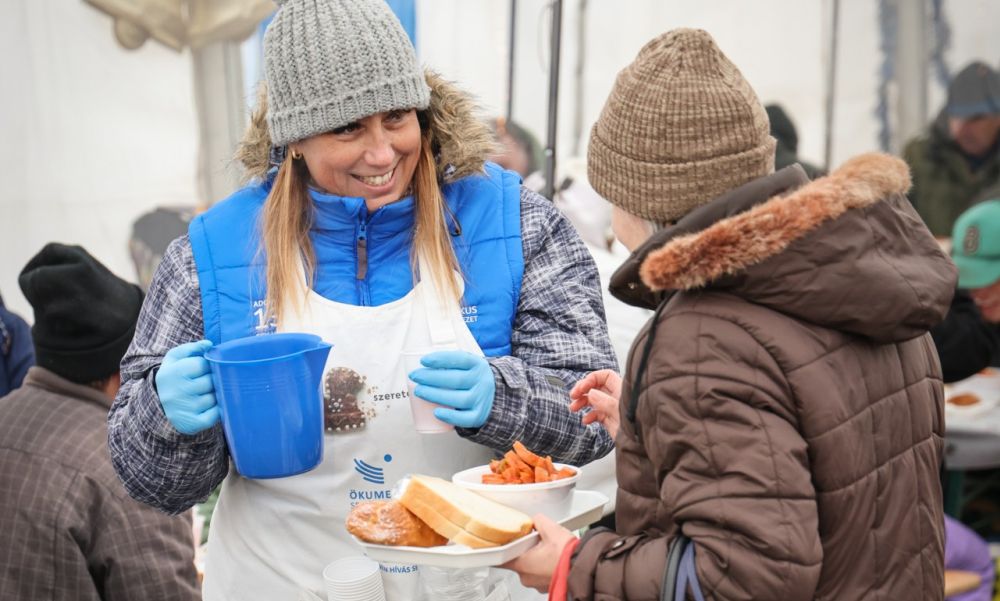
point(460, 381)
point(184, 383)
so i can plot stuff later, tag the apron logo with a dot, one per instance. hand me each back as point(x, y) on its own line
point(374, 475)
point(370, 473)
point(341, 412)
point(971, 242)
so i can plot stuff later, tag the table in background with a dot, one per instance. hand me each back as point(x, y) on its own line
point(972, 437)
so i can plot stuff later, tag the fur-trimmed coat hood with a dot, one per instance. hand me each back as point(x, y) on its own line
point(462, 141)
point(846, 251)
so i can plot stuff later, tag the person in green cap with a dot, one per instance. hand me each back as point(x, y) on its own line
point(976, 252)
point(969, 338)
point(967, 341)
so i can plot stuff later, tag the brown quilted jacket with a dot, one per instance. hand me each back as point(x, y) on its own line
point(789, 418)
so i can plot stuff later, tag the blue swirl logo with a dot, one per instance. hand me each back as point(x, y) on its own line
point(369, 473)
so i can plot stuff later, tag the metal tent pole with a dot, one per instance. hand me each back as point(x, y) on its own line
point(219, 104)
point(911, 72)
point(831, 84)
point(581, 47)
point(511, 41)
point(550, 143)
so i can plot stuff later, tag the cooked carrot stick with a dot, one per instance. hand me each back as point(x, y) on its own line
point(564, 473)
point(527, 456)
point(516, 461)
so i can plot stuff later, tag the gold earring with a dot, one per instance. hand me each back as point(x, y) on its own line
point(296, 155)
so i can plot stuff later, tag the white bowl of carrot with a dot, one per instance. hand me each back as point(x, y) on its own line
point(524, 481)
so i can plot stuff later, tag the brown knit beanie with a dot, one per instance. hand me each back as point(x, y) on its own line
point(680, 128)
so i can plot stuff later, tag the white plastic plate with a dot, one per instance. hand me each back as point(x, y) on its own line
point(587, 508)
point(985, 385)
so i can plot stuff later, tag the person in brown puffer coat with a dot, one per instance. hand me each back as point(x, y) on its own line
point(783, 408)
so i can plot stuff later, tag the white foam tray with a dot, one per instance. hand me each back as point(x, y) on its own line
point(586, 509)
point(974, 417)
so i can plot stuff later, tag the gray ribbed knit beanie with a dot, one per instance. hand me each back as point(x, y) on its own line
point(680, 128)
point(329, 63)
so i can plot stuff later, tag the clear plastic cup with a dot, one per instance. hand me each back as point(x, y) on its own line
point(423, 412)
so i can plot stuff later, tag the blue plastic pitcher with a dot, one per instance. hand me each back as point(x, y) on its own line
point(269, 393)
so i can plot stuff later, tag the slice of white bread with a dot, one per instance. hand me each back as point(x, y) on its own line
point(436, 522)
point(453, 512)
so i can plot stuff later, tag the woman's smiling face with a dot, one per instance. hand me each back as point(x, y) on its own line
point(373, 158)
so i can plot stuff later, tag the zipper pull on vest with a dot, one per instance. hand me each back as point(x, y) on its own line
point(362, 253)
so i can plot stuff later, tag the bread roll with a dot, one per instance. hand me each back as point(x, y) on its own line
point(390, 523)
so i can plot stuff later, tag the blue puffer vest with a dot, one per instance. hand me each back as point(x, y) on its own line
point(364, 258)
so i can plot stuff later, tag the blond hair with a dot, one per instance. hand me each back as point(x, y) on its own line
point(287, 218)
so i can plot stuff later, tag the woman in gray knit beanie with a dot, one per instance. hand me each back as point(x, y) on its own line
point(371, 219)
point(779, 426)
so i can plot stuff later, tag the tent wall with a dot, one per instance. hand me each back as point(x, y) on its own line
point(93, 136)
point(779, 45)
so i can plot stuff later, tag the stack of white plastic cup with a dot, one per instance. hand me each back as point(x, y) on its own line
point(353, 579)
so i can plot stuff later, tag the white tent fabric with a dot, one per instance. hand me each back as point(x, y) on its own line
point(779, 45)
point(93, 136)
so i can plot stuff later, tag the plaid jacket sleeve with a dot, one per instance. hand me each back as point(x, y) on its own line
point(157, 464)
point(560, 334)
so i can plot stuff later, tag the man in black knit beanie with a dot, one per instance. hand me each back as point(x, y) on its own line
point(70, 529)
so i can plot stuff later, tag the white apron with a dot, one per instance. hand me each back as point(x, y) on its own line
point(271, 538)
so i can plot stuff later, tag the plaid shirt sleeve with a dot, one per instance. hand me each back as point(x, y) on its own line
point(157, 464)
point(560, 334)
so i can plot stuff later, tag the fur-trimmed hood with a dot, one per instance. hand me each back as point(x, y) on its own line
point(846, 251)
point(462, 141)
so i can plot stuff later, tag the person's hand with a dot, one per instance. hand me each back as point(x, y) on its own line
point(184, 383)
point(460, 381)
point(536, 565)
point(601, 391)
point(945, 243)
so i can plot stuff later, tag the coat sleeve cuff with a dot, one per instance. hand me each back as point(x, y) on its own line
point(507, 414)
point(584, 560)
point(557, 586)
